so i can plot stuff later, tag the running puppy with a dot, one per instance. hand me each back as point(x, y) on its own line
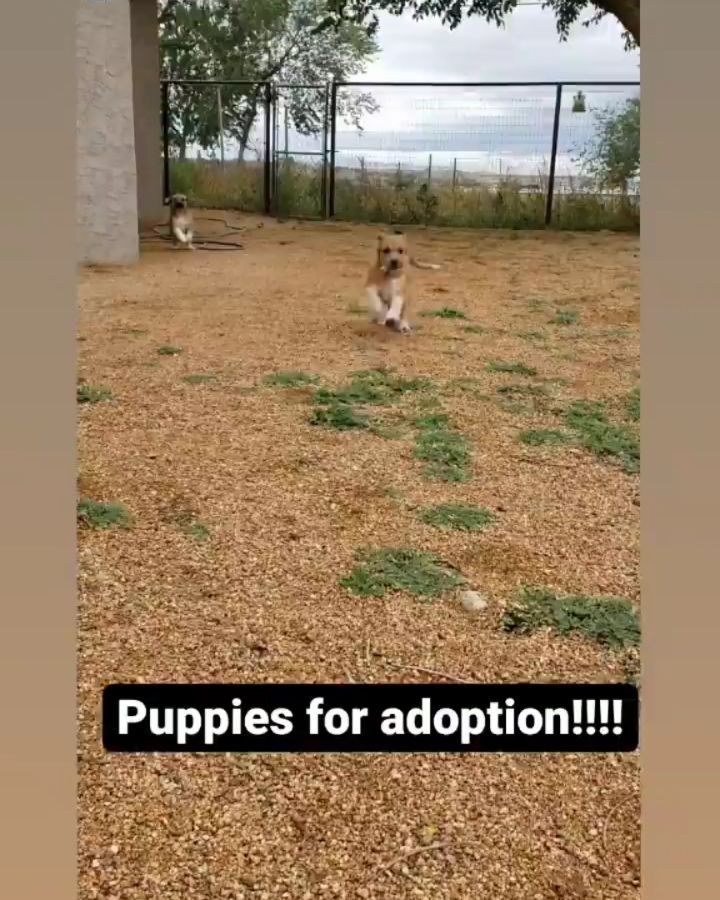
point(181, 223)
point(387, 282)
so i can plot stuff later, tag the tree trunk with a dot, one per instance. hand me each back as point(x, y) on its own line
point(627, 12)
point(245, 129)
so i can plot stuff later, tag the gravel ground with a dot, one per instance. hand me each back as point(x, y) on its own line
point(286, 505)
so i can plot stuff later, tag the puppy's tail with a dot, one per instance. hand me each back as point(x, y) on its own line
point(424, 265)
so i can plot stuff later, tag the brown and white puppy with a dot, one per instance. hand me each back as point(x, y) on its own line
point(181, 222)
point(387, 284)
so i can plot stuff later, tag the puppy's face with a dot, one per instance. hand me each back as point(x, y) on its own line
point(178, 201)
point(392, 252)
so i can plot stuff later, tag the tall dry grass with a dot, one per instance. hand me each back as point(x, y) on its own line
point(400, 199)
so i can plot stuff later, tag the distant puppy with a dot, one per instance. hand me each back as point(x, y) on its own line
point(387, 282)
point(181, 222)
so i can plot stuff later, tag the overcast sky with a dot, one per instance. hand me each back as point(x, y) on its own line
point(508, 127)
point(499, 123)
point(527, 49)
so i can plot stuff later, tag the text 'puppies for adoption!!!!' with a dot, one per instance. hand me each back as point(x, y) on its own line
point(181, 222)
point(387, 283)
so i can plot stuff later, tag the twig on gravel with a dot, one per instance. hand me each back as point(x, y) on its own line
point(414, 852)
point(430, 672)
point(438, 845)
point(611, 814)
point(544, 462)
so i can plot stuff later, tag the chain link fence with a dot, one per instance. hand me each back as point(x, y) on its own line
point(464, 155)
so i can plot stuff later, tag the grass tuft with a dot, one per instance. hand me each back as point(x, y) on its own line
point(373, 387)
point(446, 312)
point(457, 517)
point(168, 350)
point(565, 317)
point(512, 368)
point(522, 390)
point(198, 379)
point(290, 379)
point(443, 450)
point(103, 515)
point(537, 437)
point(87, 394)
point(610, 621)
point(632, 404)
point(417, 572)
point(340, 416)
point(531, 335)
point(198, 531)
point(597, 434)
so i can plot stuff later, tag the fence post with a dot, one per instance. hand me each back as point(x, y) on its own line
point(268, 150)
point(221, 126)
point(454, 178)
point(333, 148)
point(429, 182)
point(166, 141)
point(324, 173)
point(275, 96)
point(553, 156)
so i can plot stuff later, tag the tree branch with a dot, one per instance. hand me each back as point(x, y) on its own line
point(627, 12)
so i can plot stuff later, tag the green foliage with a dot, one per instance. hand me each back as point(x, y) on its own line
point(446, 313)
point(372, 387)
point(443, 450)
point(612, 158)
point(596, 433)
point(453, 12)
point(532, 335)
point(256, 41)
point(87, 394)
point(400, 569)
point(565, 317)
point(102, 515)
point(632, 404)
point(290, 379)
point(514, 368)
point(457, 517)
point(340, 416)
point(522, 390)
point(198, 379)
point(537, 437)
point(610, 621)
point(374, 199)
point(198, 531)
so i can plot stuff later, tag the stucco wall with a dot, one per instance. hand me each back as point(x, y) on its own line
point(106, 171)
point(146, 93)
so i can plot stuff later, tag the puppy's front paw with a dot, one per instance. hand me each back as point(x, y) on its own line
point(404, 327)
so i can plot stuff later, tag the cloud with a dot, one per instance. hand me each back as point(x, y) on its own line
point(496, 121)
point(527, 49)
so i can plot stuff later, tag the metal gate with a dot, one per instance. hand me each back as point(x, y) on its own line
point(300, 118)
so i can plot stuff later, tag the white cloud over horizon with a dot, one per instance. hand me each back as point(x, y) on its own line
point(489, 122)
point(526, 49)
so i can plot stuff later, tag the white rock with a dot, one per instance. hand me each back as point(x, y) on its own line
point(473, 601)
